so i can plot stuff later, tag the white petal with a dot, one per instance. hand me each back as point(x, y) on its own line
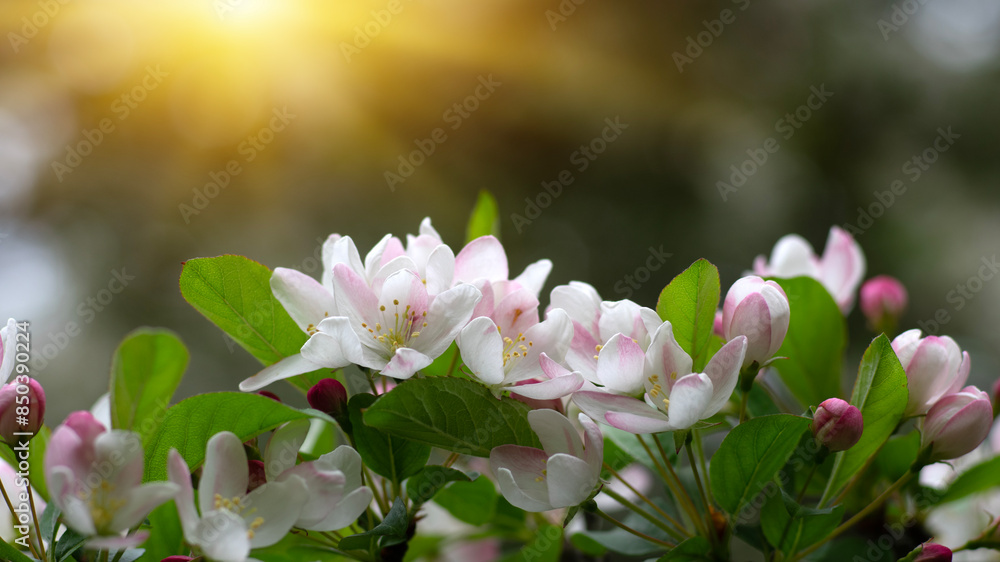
point(279, 505)
point(283, 448)
point(793, 256)
point(346, 511)
point(620, 365)
point(551, 389)
point(8, 349)
point(405, 362)
point(448, 314)
point(666, 358)
point(325, 490)
point(334, 345)
point(427, 229)
point(225, 472)
point(556, 433)
point(306, 301)
point(440, 269)
point(724, 372)
point(405, 288)
point(340, 249)
point(551, 336)
point(288, 367)
point(534, 276)
point(346, 460)
point(580, 301)
point(482, 350)
point(570, 480)
point(179, 473)
point(373, 261)
point(516, 496)
point(222, 536)
point(355, 299)
point(689, 399)
point(140, 501)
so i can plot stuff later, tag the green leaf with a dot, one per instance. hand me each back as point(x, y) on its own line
point(689, 302)
point(70, 542)
point(292, 548)
point(979, 478)
point(454, 414)
point(485, 218)
point(234, 293)
point(392, 530)
point(897, 455)
point(145, 372)
point(50, 522)
point(8, 552)
point(814, 344)
point(423, 485)
point(587, 545)
point(395, 458)
point(880, 393)
point(751, 455)
point(695, 549)
point(473, 502)
point(545, 547)
point(790, 527)
point(189, 425)
point(166, 537)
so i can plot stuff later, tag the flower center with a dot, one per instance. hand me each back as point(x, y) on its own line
point(236, 505)
point(397, 328)
point(102, 504)
point(656, 393)
point(514, 349)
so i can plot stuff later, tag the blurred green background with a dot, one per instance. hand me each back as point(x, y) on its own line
point(186, 89)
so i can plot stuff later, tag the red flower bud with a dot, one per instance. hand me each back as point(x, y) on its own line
point(837, 424)
point(257, 475)
point(330, 397)
point(269, 394)
point(22, 409)
point(933, 552)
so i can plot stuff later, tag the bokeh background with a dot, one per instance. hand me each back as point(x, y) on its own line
point(185, 87)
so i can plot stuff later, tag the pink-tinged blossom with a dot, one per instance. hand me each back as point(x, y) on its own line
point(95, 479)
point(956, 424)
point(840, 269)
point(484, 259)
point(563, 473)
point(33, 400)
point(505, 351)
point(602, 332)
point(759, 310)
point(395, 327)
point(8, 347)
point(228, 522)
point(675, 397)
point(336, 494)
point(837, 424)
point(934, 366)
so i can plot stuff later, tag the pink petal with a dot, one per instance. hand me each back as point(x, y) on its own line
point(620, 365)
point(405, 362)
point(305, 300)
point(724, 372)
point(483, 258)
point(555, 432)
point(689, 400)
point(552, 389)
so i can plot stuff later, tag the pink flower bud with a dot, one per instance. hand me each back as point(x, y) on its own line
point(717, 328)
point(178, 558)
point(957, 424)
point(933, 552)
point(22, 409)
point(330, 397)
point(837, 424)
point(935, 366)
point(883, 300)
point(759, 310)
point(996, 398)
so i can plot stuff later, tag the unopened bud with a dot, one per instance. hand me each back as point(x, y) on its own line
point(883, 300)
point(330, 397)
point(22, 409)
point(837, 424)
point(269, 394)
point(933, 552)
point(257, 475)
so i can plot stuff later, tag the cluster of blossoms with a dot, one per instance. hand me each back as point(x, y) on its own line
point(405, 305)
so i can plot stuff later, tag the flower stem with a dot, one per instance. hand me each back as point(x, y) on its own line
point(13, 515)
point(861, 514)
point(680, 495)
point(375, 491)
point(643, 513)
point(451, 460)
point(454, 361)
point(648, 501)
point(701, 462)
point(701, 488)
point(38, 523)
point(628, 529)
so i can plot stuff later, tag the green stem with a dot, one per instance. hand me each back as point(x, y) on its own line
point(701, 488)
point(454, 362)
point(628, 529)
point(788, 524)
point(680, 495)
point(13, 515)
point(648, 501)
point(375, 491)
point(701, 461)
point(38, 523)
point(643, 513)
point(861, 514)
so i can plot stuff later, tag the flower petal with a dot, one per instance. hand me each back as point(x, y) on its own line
point(533, 277)
point(666, 358)
point(793, 256)
point(556, 433)
point(620, 365)
point(283, 448)
point(483, 258)
point(286, 368)
point(551, 389)
point(520, 473)
point(440, 270)
point(581, 302)
point(222, 536)
point(346, 460)
point(114, 543)
point(346, 511)
point(689, 400)
point(623, 412)
point(339, 249)
point(405, 362)
point(724, 372)
point(325, 491)
point(180, 474)
point(570, 480)
point(593, 443)
point(305, 299)
point(449, 312)
point(334, 345)
point(516, 312)
point(482, 350)
point(842, 267)
point(373, 261)
point(355, 299)
point(518, 497)
point(8, 349)
point(142, 500)
point(225, 472)
point(278, 504)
